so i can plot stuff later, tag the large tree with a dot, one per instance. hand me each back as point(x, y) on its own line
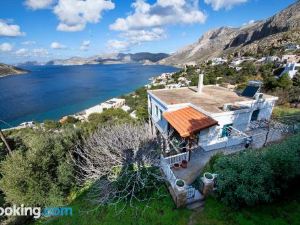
point(121, 161)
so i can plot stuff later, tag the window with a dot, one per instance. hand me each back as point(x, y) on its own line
point(254, 115)
point(226, 131)
point(156, 110)
point(159, 114)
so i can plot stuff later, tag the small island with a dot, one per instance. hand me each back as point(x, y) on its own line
point(6, 70)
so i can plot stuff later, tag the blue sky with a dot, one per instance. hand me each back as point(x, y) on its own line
point(49, 29)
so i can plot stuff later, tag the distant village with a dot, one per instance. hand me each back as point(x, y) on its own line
point(289, 62)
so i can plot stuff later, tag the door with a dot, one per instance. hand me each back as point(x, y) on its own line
point(255, 114)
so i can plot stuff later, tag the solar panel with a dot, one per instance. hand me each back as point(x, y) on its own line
point(250, 91)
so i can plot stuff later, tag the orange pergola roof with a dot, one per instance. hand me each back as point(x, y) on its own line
point(188, 120)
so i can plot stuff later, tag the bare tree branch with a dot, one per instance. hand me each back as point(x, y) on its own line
point(122, 163)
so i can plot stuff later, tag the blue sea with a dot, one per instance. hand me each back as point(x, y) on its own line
point(50, 92)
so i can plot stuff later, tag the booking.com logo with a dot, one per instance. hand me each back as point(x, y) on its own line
point(35, 212)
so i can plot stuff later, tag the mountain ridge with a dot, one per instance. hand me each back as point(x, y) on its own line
point(114, 58)
point(226, 40)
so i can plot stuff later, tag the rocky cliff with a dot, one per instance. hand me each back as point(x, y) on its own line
point(274, 31)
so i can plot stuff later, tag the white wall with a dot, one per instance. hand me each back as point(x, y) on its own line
point(211, 138)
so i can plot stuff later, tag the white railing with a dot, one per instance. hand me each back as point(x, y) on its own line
point(177, 158)
point(167, 171)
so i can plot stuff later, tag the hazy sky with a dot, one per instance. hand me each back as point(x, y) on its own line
point(45, 29)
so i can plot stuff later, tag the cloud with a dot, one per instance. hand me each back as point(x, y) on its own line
point(10, 30)
point(85, 45)
point(117, 45)
point(138, 36)
point(134, 37)
point(28, 43)
point(6, 47)
point(75, 14)
point(147, 21)
point(40, 52)
point(57, 45)
point(163, 12)
point(226, 4)
point(37, 52)
point(38, 4)
point(22, 52)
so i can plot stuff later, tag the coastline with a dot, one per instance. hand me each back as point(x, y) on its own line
point(42, 116)
point(14, 74)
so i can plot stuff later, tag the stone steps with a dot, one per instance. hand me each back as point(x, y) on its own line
point(198, 205)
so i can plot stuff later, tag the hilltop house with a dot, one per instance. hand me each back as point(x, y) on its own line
point(190, 122)
point(291, 69)
point(208, 116)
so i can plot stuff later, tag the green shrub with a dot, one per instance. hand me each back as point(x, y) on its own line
point(244, 179)
point(42, 175)
point(260, 176)
point(51, 124)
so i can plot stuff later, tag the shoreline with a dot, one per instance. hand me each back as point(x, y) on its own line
point(77, 113)
point(14, 74)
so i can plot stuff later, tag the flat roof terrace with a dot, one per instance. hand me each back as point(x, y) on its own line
point(211, 99)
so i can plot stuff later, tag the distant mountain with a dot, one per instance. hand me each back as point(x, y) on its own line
point(275, 31)
point(142, 57)
point(6, 70)
point(30, 63)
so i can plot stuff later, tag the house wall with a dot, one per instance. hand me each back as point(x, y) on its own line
point(211, 138)
point(157, 117)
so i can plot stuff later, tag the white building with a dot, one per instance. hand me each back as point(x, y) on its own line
point(291, 69)
point(272, 59)
point(94, 109)
point(171, 86)
point(113, 103)
point(291, 47)
point(218, 61)
point(209, 117)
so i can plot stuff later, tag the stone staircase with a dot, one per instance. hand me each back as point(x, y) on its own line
point(197, 202)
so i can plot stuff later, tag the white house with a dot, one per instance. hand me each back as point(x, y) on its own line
point(209, 116)
point(291, 69)
point(218, 61)
point(113, 103)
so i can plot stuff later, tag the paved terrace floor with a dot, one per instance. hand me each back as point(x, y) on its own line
point(199, 157)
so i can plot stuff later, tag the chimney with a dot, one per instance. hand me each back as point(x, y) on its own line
point(200, 83)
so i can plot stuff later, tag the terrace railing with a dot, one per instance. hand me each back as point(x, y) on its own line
point(165, 166)
point(171, 160)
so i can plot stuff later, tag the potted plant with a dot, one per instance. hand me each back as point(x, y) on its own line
point(180, 184)
point(184, 163)
point(176, 166)
point(208, 178)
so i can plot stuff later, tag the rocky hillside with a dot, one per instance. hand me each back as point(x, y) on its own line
point(6, 70)
point(276, 30)
point(142, 57)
